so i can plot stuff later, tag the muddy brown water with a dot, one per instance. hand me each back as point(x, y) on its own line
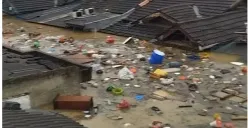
point(12, 23)
point(137, 114)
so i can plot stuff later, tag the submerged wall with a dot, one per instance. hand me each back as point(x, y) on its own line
point(43, 88)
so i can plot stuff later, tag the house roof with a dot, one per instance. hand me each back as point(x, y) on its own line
point(113, 6)
point(50, 13)
point(17, 65)
point(215, 29)
point(84, 20)
point(141, 31)
point(27, 6)
point(180, 12)
point(208, 8)
point(36, 119)
point(123, 6)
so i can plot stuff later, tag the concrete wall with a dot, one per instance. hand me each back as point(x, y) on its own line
point(43, 88)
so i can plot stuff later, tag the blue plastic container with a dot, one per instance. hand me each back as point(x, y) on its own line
point(157, 57)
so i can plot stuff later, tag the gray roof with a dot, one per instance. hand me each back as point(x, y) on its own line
point(27, 6)
point(208, 7)
point(17, 65)
point(88, 19)
point(49, 13)
point(36, 119)
point(138, 31)
point(217, 29)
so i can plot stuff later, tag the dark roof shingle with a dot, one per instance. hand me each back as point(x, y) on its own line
point(27, 6)
point(36, 119)
point(141, 31)
point(209, 7)
point(215, 29)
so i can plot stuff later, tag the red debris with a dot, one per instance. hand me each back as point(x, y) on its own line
point(110, 40)
point(73, 102)
point(123, 105)
point(228, 125)
point(244, 69)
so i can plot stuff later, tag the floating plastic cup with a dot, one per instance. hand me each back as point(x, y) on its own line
point(117, 91)
point(157, 57)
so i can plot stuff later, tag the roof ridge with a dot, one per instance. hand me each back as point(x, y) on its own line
point(212, 17)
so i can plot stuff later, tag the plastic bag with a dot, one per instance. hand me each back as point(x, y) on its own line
point(125, 74)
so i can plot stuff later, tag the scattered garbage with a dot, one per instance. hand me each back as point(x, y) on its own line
point(73, 102)
point(194, 57)
point(229, 125)
point(156, 109)
point(160, 95)
point(36, 44)
point(166, 81)
point(244, 70)
point(21, 29)
point(129, 40)
point(212, 76)
point(133, 70)
point(217, 123)
point(157, 57)
point(203, 112)
point(185, 106)
point(170, 70)
point(141, 57)
point(175, 64)
point(125, 74)
point(139, 97)
point(117, 91)
point(110, 88)
point(99, 72)
point(114, 117)
point(127, 124)
point(160, 73)
point(182, 77)
point(137, 86)
point(93, 84)
point(123, 105)
point(239, 117)
point(192, 87)
point(225, 71)
point(110, 40)
point(171, 81)
point(156, 124)
point(237, 63)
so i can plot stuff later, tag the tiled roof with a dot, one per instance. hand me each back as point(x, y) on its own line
point(16, 65)
point(22, 6)
point(114, 6)
point(82, 21)
point(8, 105)
point(27, 6)
point(54, 16)
point(215, 29)
point(49, 13)
point(207, 8)
point(180, 12)
point(139, 31)
point(123, 6)
point(36, 119)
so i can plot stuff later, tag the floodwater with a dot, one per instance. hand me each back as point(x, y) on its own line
point(13, 24)
point(137, 113)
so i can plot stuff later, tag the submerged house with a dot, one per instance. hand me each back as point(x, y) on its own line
point(190, 24)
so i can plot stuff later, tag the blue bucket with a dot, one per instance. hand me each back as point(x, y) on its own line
point(157, 57)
